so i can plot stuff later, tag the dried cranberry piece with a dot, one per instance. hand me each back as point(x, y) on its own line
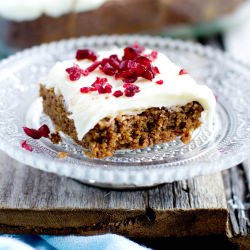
point(156, 70)
point(124, 65)
point(140, 70)
point(84, 72)
point(75, 72)
point(86, 54)
point(127, 74)
point(160, 82)
point(84, 90)
point(44, 131)
point(130, 69)
point(126, 85)
point(149, 74)
point(139, 48)
point(33, 133)
point(104, 89)
point(183, 72)
point(104, 61)
point(92, 89)
point(93, 66)
point(118, 93)
point(130, 53)
point(136, 69)
point(108, 69)
point(143, 61)
point(131, 90)
point(114, 61)
point(101, 85)
point(26, 146)
point(101, 90)
point(152, 56)
point(132, 65)
point(108, 88)
point(130, 79)
point(99, 82)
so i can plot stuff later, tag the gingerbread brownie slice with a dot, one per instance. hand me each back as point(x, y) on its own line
point(124, 99)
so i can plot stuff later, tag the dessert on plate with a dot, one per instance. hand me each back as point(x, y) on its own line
point(124, 99)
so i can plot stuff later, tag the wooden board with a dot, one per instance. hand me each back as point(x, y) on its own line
point(33, 201)
point(237, 186)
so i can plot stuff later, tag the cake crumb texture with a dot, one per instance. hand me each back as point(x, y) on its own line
point(153, 126)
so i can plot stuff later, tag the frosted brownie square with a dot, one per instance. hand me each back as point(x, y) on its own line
point(124, 99)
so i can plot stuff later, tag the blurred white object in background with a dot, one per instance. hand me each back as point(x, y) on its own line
point(237, 43)
point(237, 39)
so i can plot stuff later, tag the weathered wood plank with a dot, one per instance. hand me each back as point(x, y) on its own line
point(236, 181)
point(32, 201)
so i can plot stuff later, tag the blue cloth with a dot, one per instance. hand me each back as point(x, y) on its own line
point(44, 242)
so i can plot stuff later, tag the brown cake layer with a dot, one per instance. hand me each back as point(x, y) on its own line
point(153, 126)
point(114, 17)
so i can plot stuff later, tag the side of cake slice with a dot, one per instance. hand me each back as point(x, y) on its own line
point(124, 99)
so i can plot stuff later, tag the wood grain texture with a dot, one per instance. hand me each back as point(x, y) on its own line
point(33, 201)
point(236, 181)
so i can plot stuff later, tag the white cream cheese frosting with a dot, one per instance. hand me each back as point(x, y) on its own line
point(88, 109)
point(26, 10)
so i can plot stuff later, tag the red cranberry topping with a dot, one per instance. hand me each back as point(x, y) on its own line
point(183, 72)
point(108, 69)
point(92, 89)
point(114, 61)
point(138, 47)
point(131, 90)
point(108, 88)
point(126, 85)
point(118, 93)
point(131, 79)
point(26, 146)
point(101, 85)
point(130, 70)
point(132, 65)
point(93, 66)
point(123, 65)
point(33, 133)
point(43, 131)
point(75, 72)
point(160, 82)
point(153, 55)
point(143, 61)
point(156, 70)
point(149, 74)
point(99, 82)
point(130, 53)
point(84, 90)
point(86, 54)
point(101, 90)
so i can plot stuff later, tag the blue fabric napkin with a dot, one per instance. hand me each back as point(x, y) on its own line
point(44, 242)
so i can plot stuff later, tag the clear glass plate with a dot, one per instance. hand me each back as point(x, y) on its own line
point(208, 152)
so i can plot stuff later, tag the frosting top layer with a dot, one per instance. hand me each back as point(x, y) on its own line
point(88, 109)
point(25, 10)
